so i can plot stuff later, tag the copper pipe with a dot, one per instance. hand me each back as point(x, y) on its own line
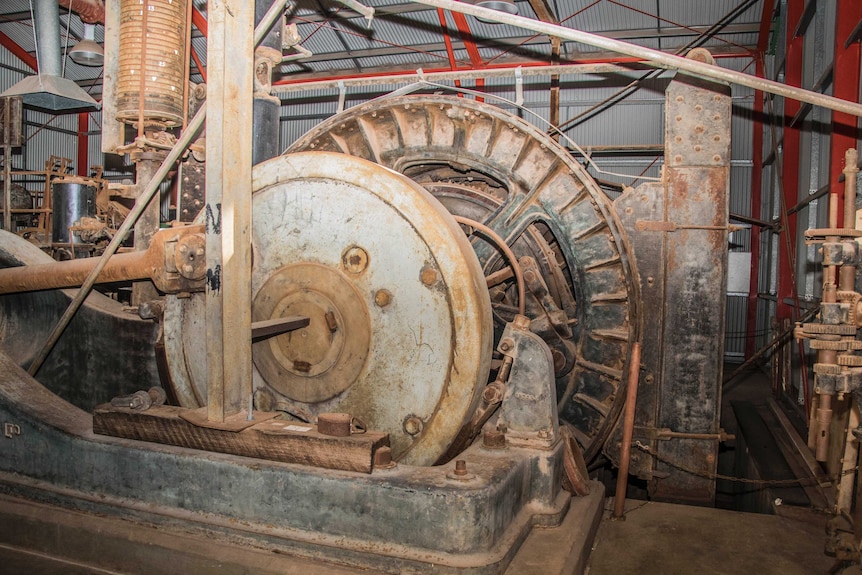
point(628, 430)
point(507, 251)
point(72, 273)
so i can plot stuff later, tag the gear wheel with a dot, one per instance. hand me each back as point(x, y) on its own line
point(829, 329)
point(850, 360)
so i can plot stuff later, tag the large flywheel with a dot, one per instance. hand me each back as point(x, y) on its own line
point(400, 328)
point(488, 165)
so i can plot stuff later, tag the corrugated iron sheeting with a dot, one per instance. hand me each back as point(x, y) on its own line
point(735, 335)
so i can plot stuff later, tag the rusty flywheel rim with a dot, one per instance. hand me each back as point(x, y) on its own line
point(541, 185)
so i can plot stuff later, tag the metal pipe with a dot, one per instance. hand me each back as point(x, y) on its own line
point(48, 37)
point(507, 251)
point(652, 57)
point(850, 172)
point(628, 430)
point(140, 205)
point(70, 274)
point(847, 273)
point(7, 189)
point(409, 77)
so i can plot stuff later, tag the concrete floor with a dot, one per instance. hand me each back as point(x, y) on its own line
point(666, 539)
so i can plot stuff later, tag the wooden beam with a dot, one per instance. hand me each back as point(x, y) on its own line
point(230, 53)
point(272, 439)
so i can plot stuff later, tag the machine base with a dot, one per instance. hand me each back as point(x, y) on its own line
point(60, 539)
point(405, 519)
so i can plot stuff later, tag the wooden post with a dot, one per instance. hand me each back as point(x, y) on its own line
point(230, 51)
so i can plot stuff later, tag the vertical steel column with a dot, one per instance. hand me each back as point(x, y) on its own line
point(83, 144)
point(790, 161)
point(7, 188)
point(757, 180)
point(230, 53)
point(146, 165)
point(697, 183)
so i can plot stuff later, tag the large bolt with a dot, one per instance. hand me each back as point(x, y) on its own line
point(429, 276)
point(460, 467)
point(413, 425)
point(382, 298)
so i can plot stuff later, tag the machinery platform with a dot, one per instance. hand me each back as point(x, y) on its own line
point(44, 540)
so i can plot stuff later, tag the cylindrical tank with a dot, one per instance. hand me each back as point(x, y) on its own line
point(161, 61)
point(71, 202)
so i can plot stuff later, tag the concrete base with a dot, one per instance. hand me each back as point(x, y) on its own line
point(44, 540)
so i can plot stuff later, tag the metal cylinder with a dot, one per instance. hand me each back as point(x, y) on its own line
point(159, 56)
point(47, 32)
point(71, 201)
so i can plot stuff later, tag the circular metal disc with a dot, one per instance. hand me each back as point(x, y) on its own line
point(400, 319)
point(487, 164)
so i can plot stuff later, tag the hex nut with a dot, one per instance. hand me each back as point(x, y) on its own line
point(413, 425)
point(382, 298)
point(429, 276)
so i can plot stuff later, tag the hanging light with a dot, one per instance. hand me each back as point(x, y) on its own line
point(87, 52)
point(505, 6)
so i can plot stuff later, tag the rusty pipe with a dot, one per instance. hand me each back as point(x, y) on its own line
point(824, 419)
point(847, 273)
point(628, 430)
point(72, 273)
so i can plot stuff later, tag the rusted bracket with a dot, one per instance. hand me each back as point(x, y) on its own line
point(656, 226)
point(666, 434)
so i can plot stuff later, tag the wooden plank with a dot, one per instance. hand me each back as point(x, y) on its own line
point(272, 440)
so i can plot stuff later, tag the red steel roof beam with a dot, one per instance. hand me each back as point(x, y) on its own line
point(19, 52)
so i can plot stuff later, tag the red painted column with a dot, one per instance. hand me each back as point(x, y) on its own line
point(845, 130)
point(83, 144)
point(791, 159)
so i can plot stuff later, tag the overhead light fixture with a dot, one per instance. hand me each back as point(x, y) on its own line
point(505, 6)
point(47, 89)
point(87, 52)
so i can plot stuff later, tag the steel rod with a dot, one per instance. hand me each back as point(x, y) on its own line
point(507, 251)
point(448, 76)
point(7, 189)
point(71, 273)
point(652, 57)
point(628, 431)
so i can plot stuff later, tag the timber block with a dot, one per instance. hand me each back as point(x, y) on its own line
point(271, 440)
